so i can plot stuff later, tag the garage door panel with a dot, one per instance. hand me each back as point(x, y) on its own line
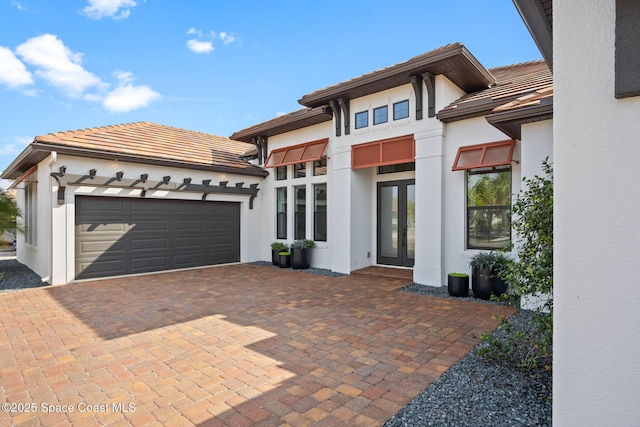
point(149, 244)
point(100, 246)
point(143, 235)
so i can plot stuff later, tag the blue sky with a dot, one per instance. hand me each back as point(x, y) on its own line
point(213, 66)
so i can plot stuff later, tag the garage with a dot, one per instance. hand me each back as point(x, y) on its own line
point(116, 236)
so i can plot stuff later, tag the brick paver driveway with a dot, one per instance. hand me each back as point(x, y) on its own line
point(232, 345)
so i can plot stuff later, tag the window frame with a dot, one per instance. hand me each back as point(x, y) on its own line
point(299, 216)
point(319, 220)
point(395, 104)
point(31, 213)
point(386, 115)
point(281, 227)
point(281, 173)
point(468, 209)
point(364, 114)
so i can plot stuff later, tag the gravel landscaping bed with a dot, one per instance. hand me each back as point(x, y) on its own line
point(18, 276)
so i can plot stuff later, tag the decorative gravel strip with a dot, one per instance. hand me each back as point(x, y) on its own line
point(475, 392)
point(18, 276)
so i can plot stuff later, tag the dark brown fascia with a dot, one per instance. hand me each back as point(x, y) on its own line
point(452, 58)
point(36, 152)
point(511, 121)
point(292, 121)
point(537, 22)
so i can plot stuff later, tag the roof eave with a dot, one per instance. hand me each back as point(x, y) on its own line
point(511, 121)
point(482, 78)
point(534, 17)
point(38, 151)
point(287, 123)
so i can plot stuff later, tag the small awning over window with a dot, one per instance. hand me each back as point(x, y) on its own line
point(484, 155)
point(384, 152)
point(307, 152)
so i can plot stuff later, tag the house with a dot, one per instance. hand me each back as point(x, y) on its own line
point(593, 48)
point(128, 199)
point(412, 166)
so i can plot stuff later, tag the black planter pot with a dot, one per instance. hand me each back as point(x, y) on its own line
point(284, 261)
point(486, 282)
point(499, 285)
point(300, 258)
point(458, 286)
point(275, 257)
point(481, 282)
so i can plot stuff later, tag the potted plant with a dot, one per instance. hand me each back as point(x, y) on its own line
point(300, 253)
point(458, 284)
point(284, 259)
point(485, 267)
point(276, 248)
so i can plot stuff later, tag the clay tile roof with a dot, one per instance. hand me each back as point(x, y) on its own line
point(143, 142)
point(513, 81)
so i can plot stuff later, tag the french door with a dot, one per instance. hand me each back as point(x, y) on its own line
point(396, 222)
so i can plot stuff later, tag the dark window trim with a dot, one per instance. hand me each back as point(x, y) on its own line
point(468, 208)
point(362, 113)
point(386, 118)
point(394, 109)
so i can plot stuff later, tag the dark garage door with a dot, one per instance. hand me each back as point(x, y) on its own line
point(116, 236)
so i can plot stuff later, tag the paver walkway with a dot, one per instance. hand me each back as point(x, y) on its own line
point(233, 345)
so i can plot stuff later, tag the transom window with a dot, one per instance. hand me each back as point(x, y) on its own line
point(380, 115)
point(401, 110)
point(299, 170)
point(362, 119)
point(281, 173)
point(488, 201)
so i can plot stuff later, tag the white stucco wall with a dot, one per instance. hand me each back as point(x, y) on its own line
point(321, 254)
point(461, 133)
point(596, 375)
point(36, 256)
point(54, 256)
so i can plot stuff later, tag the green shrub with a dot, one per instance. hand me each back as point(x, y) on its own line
point(531, 274)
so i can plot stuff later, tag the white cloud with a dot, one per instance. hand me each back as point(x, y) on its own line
point(58, 65)
point(124, 76)
point(128, 97)
point(227, 38)
point(116, 9)
point(199, 46)
point(194, 31)
point(19, 6)
point(13, 73)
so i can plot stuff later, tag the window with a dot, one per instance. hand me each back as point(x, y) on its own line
point(320, 167)
point(281, 173)
point(488, 200)
point(362, 119)
point(281, 213)
point(320, 212)
point(299, 170)
point(400, 167)
point(401, 110)
point(300, 212)
point(30, 212)
point(380, 115)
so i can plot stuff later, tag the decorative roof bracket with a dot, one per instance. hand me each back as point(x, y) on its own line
point(335, 107)
point(430, 80)
point(344, 106)
point(416, 82)
point(144, 184)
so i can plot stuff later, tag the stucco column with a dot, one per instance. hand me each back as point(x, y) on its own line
point(340, 199)
point(428, 269)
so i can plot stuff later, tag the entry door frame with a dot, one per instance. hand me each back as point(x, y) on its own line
point(402, 259)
